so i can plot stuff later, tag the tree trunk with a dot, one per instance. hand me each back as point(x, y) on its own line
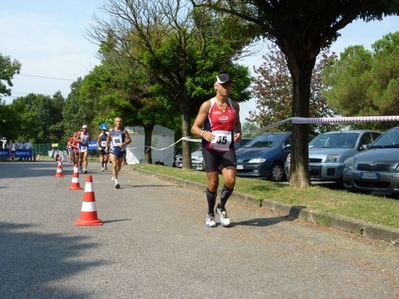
point(186, 147)
point(300, 66)
point(147, 143)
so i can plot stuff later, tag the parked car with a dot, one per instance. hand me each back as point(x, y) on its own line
point(176, 155)
point(244, 141)
point(329, 151)
point(196, 157)
point(264, 156)
point(377, 169)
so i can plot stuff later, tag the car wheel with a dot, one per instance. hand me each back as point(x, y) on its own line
point(277, 172)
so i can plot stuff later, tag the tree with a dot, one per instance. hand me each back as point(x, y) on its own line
point(365, 83)
point(39, 117)
point(181, 49)
point(124, 89)
point(273, 92)
point(301, 29)
point(8, 69)
point(247, 129)
point(8, 119)
point(74, 111)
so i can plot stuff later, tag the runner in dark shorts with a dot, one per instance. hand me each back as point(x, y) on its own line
point(101, 144)
point(218, 123)
point(118, 139)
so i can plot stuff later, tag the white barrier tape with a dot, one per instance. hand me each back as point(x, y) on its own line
point(295, 120)
point(268, 126)
point(303, 120)
point(327, 120)
point(164, 148)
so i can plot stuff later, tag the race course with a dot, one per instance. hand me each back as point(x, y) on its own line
point(153, 244)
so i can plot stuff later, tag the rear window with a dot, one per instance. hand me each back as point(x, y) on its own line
point(266, 140)
point(335, 140)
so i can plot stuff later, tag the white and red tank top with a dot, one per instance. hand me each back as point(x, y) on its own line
point(221, 124)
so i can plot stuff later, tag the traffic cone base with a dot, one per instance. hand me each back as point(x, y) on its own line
point(88, 214)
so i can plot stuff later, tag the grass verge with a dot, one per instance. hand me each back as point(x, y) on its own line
point(379, 210)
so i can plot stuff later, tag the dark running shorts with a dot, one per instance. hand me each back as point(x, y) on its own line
point(215, 160)
point(116, 151)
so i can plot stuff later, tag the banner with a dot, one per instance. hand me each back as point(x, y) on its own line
point(19, 153)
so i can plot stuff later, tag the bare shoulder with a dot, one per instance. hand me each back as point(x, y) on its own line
point(205, 106)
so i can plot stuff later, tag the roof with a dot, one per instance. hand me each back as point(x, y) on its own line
point(350, 131)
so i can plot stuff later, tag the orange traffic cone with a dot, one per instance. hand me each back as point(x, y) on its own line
point(88, 214)
point(59, 173)
point(75, 179)
point(59, 162)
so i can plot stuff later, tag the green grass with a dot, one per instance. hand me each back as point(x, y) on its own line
point(368, 208)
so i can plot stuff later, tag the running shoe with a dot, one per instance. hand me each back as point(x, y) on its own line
point(113, 179)
point(117, 186)
point(84, 171)
point(210, 221)
point(223, 217)
point(102, 169)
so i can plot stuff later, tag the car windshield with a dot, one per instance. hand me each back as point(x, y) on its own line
point(334, 140)
point(389, 139)
point(266, 140)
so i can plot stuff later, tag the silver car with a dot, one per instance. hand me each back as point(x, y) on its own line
point(329, 151)
point(377, 169)
point(196, 158)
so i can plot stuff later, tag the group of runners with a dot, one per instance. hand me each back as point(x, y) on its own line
point(111, 144)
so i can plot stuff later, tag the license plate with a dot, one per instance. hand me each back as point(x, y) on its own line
point(369, 175)
point(239, 166)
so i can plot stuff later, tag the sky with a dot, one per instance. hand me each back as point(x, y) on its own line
point(50, 40)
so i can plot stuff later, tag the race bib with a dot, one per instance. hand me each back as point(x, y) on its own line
point(103, 143)
point(83, 148)
point(222, 140)
point(116, 140)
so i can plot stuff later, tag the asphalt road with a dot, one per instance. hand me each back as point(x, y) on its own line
point(153, 244)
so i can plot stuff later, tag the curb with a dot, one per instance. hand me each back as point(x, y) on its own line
point(368, 230)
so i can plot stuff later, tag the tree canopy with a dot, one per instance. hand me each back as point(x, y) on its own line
point(366, 83)
point(272, 90)
point(38, 117)
point(180, 49)
point(8, 68)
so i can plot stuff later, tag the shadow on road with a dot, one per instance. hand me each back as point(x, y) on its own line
point(31, 262)
point(293, 214)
